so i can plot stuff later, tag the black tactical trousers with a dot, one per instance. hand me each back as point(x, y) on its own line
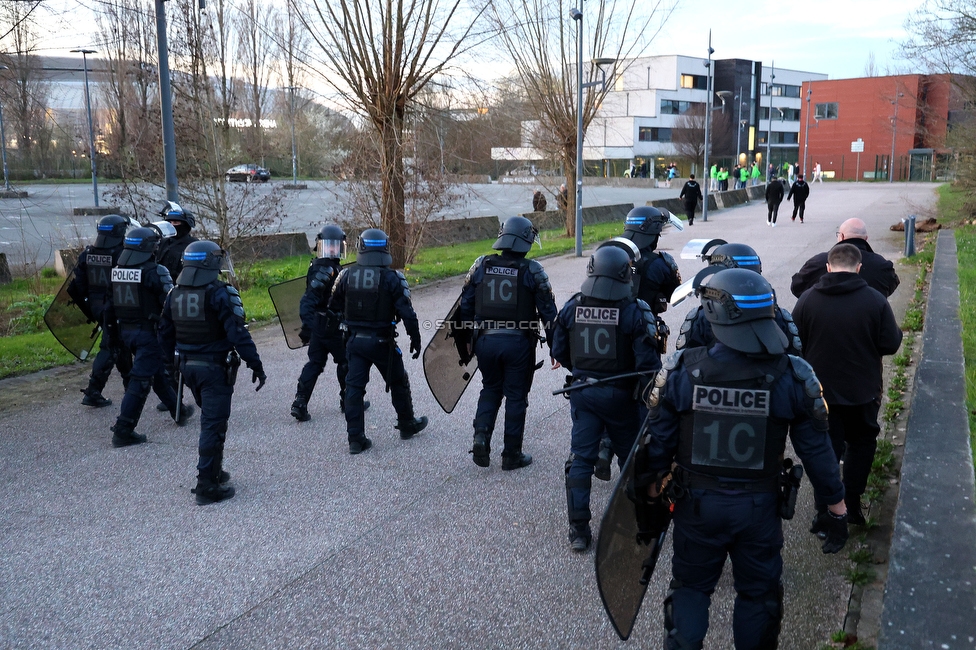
point(506, 361)
point(854, 435)
point(147, 374)
point(363, 351)
point(207, 381)
point(319, 349)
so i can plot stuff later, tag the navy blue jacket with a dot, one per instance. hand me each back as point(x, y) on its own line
point(535, 280)
point(788, 401)
point(636, 321)
point(92, 306)
point(395, 284)
point(318, 290)
point(225, 301)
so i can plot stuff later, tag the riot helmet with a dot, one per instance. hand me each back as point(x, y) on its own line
point(516, 234)
point(373, 248)
point(625, 245)
point(734, 256)
point(741, 307)
point(609, 275)
point(111, 231)
point(172, 211)
point(331, 242)
point(202, 263)
point(140, 246)
point(644, 224)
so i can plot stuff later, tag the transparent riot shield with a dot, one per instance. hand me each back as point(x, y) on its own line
point(698, 247)
point(447, 376)
point(286, 298)
point(623, 565)
point(69, 325)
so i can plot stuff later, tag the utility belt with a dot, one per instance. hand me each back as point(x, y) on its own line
point(141, 326)
point(378, 336)
point(228, 361)
point(625, 384)
point(786, 484)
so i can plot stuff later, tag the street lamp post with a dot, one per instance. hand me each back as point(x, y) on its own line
point(166, 104)
point(577, 15)
point(894, 131)
point(769, 133)
point(742, 123)
point(91, 134)
point(708, 119)
point(806, 132)
point(294, 149)
point(3, 149)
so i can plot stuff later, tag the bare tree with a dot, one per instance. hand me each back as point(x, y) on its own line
point(688, 135)
point(378, 54)
point(254, 26)
point(23, 89)
point(871, 66)
point(541, 42)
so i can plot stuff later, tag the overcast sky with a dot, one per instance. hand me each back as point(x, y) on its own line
point(834, 37)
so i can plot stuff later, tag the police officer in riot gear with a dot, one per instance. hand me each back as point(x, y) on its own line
point(91, 290)
point(203, 319)
point(320, 326)
point(696, 330)
point(605, 457)
point(372, 297)
point(139, 288)
point(722, 415)
point(601, 333)
point(503, 298)
point(170, 252)
point(657, 273)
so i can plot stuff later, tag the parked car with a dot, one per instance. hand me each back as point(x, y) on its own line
point(247, 174)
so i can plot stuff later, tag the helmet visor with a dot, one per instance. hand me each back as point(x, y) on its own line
point(331, 248)
point(164, 228)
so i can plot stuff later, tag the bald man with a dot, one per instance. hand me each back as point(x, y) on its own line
point(878, 272)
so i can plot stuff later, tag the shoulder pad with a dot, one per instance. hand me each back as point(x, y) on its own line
point(235, 301)
point(540, 276)
point(474, 267)
point(803, 372)
point(673, 359)
point(647, 317)
point(674, 265)
point(165, 277)
point(323, 276)
point(687, 325)
point(652, 394)
point(404, 285)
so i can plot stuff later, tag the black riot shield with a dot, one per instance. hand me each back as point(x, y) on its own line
point(447, 376)
point(624, 565)
point(69, 325)
point(286, 298)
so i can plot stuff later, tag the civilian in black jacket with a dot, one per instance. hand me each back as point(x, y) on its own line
point(690, 195)
point(846, 327)
point(878, 272)
point(799, 192)
point(774, 196)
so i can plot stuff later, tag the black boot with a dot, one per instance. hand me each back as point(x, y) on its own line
point(124, 434)
point(93, 398)
point(410, 428)
point(481, 450)
point(222, 476)
point(580, 537)
point(602, 468)
point(516, 461)
point(299, 409)
point(359, 445)
point(855, 516)
point(210, 491)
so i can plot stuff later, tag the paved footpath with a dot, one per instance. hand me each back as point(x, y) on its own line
point(408, 545)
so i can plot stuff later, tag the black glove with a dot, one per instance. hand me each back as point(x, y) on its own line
point(258, 376)
point(415, 347)
point(836, 529)
point(305, 335)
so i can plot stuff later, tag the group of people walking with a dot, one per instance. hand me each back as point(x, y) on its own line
point(706, 428)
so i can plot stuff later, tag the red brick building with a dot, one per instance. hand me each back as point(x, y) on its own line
point(908, 114)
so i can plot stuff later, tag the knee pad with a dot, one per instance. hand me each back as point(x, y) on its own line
point(772, 602)
point(673, 639)
point(577, 512)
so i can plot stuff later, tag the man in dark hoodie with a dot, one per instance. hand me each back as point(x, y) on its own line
point(690, 196)
point(774, 196)
point(846, 327)
point(878, 272)
point(799, 192)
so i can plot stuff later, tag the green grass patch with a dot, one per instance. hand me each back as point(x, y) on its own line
point(966, 252)
point(859, 576)
point(861, 555)
point(27, 353)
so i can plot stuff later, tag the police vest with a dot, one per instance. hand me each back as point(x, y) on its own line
point(367, 298)
point(502, 297)
point(194, 316)
point(729, 432)
point(135, 302)
point(98, 267)
point(597, 342)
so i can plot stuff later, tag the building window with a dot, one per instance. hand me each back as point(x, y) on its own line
point(779, 137)
point(784, 90)
point(789, 114)
point(826, 111)
point(675, 107)
point(653, 134)
point(694, 81)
